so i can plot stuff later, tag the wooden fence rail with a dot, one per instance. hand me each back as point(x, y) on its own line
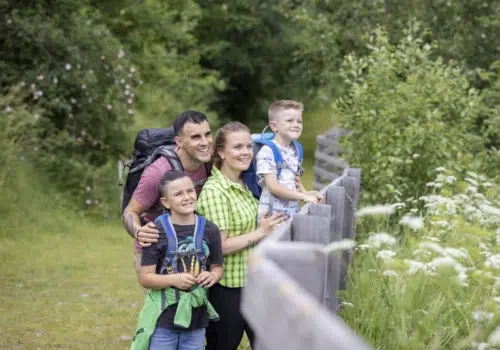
point(290, 298)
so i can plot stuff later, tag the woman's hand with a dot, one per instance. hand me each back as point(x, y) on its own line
point(269, 223)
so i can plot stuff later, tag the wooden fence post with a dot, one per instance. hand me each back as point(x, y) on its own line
point(305, 262)
point(335, 197)
point(273, 300)
point(351, 185)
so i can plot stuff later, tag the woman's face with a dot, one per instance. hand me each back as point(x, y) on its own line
point(238, 152)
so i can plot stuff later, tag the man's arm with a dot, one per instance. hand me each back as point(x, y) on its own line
point(146, 234)
point(131, 217)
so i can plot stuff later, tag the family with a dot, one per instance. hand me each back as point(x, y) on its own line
point(190, 255)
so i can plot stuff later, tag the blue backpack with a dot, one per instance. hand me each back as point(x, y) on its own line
point(170, 262)
point(265, 139)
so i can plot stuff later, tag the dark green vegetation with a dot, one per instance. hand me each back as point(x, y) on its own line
point(416, 82)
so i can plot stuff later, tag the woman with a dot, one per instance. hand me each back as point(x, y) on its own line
point(227, 202)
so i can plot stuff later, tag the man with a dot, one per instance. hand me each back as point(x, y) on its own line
point(194, 148)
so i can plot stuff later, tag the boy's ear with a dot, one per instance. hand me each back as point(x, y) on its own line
point(164, 202)
point(272, 125)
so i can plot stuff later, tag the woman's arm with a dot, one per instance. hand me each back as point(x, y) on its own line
point(148, 278)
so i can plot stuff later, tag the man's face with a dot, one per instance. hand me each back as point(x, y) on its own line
point(196, 140)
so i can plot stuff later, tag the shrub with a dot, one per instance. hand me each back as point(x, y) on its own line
point(406, 114)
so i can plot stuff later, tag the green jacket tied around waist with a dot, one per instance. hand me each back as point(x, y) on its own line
point(157, 301)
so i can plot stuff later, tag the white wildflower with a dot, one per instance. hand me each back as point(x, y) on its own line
point(372, 270)
point(450, 179)
point(386, 254)
point(8, 109)
point(36, 116)
point(84, 86)
point(482, 316)
point(88, 188)
point(415, 266)
point(390, 273)
point(121, 53)
point(487, 184)
point(130, 111)
point(345, 244)
point(488, 209)
point(35, 148)
point(413, 222)
point(494, 338)
point(493, 262)
point(132, 69)
point(496, 300)
point(376, 210)
point(379, 239)
point(110, 107)
point(67, 66)
point(415, 156)
point(398, 205)
point(55, 80)
point(88, 201)
point(363, 246)
point(127, 87)
point(345, 303)
point(73, 101)
point(440, 169)
point(127, 92)
point(129, 101)
point(122, 81)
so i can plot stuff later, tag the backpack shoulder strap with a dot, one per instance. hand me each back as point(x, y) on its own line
point(172, 157)
point(170, 262)
point(199, 232)
point(299, 150)
point(278, 159)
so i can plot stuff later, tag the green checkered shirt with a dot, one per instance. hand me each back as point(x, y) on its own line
point(233, 209)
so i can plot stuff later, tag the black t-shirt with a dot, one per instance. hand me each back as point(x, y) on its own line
point(155, 254)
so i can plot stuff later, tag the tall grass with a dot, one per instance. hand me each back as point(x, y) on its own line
point(430, 281)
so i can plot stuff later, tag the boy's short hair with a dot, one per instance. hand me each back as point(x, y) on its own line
point(281, 105)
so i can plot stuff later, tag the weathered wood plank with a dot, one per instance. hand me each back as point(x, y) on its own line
point(313, 229)
point(330, 160)
point(285, 316)
point(305, 262)
point(351, 186)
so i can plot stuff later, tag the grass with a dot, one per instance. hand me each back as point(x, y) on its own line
point(68, 281)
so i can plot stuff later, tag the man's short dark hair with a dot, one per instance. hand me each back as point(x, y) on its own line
point(188, 117)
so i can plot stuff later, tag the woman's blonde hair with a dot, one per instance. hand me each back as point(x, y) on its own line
point(221, 139)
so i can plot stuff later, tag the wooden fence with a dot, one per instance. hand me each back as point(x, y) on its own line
point(328, 164)
point(290, 298)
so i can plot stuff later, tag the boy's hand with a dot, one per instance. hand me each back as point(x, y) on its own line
point(147, 234)
point(206, 279)
point(183, 281)
point(310, 197)
point(319, 196)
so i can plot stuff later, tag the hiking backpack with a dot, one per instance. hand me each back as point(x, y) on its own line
point(265, 139)
point(169, 264)
point(149, 145)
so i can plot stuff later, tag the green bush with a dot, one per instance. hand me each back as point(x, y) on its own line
point(407, 115)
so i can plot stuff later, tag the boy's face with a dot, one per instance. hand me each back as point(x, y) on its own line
point(288, 124)
point(181, 196)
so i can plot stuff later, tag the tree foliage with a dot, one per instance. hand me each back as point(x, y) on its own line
point(407, 115)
